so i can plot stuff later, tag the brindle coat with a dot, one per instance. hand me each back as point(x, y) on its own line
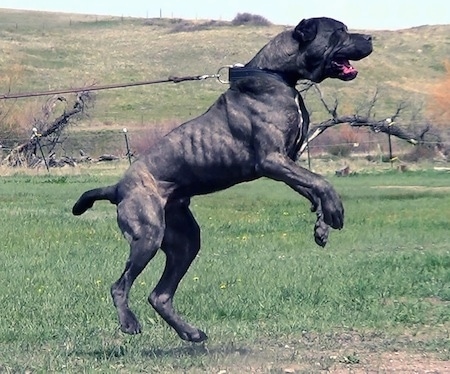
point(254, 129)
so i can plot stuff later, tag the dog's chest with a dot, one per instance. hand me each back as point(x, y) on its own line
point(298, 128)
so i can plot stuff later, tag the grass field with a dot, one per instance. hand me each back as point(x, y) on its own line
point(376, 299)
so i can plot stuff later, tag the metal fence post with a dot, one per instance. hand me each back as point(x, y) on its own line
point(127, 144)
point(390, 123)
point(36, 136)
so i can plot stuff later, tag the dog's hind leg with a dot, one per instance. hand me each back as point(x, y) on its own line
point(181, 244)
point(141, 218)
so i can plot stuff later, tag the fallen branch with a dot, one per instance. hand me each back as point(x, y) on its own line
point(48, 134)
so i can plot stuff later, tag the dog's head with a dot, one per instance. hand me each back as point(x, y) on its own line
point(325, 49)
point(316, 49)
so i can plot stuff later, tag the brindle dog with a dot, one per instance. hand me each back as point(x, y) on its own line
point(254, 129)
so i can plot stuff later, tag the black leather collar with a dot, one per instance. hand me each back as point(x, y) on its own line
point(235, 73)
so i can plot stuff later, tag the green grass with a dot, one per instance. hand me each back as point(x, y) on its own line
point(265, 294)
point(259, 284)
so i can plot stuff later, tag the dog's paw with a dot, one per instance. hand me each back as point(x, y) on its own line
point(129, 324)
point(330, 208)
point(321, 232)
point(333, 211)
point(195, 336)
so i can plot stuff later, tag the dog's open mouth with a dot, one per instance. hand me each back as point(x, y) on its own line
point(343, 69)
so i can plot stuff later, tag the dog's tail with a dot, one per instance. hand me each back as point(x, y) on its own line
point(88, 199)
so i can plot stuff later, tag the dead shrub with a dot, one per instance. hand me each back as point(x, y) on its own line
point(249, 19)
point(420, 152)
point(340, 150)
point(341, 141)
point(17, 122)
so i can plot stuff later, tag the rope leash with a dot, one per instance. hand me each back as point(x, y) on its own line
point(107, 86)
point(235, 72)
point(173, 79)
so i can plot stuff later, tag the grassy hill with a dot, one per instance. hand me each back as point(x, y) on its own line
point(42, 51)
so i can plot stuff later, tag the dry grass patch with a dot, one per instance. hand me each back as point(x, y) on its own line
point(416, 188)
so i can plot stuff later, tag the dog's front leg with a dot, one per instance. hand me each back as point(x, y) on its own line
point(271, 161)
point(324, 198)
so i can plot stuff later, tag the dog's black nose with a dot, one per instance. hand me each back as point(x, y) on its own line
point(368, 37)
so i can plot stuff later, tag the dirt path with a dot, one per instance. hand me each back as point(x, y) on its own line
point(349, 353)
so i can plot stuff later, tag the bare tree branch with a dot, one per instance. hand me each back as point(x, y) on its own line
point(370, 105)
point(331, 111)
point(48, 134)
point(386, 125)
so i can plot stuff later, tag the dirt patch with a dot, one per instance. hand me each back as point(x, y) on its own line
point(398, 362)
point(355, 362)
point(338, 354)
point(393, 362)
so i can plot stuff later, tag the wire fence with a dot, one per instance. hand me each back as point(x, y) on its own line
point(69, 21)
point(127, 144)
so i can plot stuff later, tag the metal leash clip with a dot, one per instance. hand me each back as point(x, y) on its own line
point(219, 72)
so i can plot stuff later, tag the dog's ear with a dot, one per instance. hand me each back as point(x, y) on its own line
point(305, 31)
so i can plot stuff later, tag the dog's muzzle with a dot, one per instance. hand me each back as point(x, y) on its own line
point(341, 67)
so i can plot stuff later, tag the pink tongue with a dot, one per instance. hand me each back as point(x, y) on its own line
point(347, 69)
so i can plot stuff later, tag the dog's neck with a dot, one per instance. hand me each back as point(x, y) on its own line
point(279, 57)
point(236, 73)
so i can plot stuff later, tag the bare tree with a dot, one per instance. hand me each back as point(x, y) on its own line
point(387, 125)
point(48, 129)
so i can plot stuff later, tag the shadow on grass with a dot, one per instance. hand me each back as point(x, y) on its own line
point(196, 350)
point(103, 354)
point(187, 350)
